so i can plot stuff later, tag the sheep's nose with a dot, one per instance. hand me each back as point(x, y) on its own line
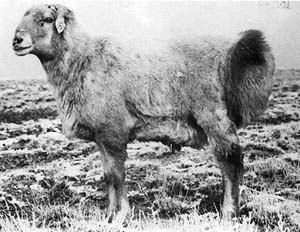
point(17, 40)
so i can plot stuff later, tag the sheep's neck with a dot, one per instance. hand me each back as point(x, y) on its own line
point(66, 74)
point(69, 61)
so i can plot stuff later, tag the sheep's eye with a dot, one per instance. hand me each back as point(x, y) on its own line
point(48, 20)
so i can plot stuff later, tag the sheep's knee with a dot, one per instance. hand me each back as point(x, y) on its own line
point(229, 151)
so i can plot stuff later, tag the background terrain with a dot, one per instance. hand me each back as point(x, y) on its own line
point(51, 183)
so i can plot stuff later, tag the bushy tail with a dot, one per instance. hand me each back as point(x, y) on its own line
point(247, 72)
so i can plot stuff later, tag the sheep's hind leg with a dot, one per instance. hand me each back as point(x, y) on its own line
point(229, 156)
point(114, 172)
point(225, 143)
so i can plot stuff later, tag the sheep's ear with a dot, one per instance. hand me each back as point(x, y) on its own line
point(64, 16)
point(60, 24)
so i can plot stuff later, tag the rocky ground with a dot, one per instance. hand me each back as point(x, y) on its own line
point(41, 168)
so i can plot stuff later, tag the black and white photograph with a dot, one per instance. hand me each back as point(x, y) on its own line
point(163, 116)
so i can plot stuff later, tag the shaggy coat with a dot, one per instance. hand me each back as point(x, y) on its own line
point(187, 93)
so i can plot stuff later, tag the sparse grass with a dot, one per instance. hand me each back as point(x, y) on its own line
point(62, 218)
point(69, 219)
point(263, 212)
point(269, 167)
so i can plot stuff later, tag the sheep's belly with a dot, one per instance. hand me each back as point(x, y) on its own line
point(169, 132)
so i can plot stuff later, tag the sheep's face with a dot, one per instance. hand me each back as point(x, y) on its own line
point(40, 27)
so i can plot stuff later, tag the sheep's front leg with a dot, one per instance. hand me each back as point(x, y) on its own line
point(114, 173)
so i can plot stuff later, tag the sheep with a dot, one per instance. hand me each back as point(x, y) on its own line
point(186, 93)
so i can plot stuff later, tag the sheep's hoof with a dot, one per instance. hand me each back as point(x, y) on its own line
point(119, 219)
point(229, 213)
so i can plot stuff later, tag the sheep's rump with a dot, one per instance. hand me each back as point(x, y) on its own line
point(247, 77)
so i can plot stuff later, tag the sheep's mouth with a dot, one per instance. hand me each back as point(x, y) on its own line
point(21, 51)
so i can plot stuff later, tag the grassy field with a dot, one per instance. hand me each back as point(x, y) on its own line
point(49, 183)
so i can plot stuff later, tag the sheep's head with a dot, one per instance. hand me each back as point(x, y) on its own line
point(40, 29)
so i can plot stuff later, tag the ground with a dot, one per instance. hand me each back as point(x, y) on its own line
point(50, 183)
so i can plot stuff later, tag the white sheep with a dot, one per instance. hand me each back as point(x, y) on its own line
point(185, 94)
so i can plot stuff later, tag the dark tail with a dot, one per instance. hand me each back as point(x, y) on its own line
point(247, 72)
